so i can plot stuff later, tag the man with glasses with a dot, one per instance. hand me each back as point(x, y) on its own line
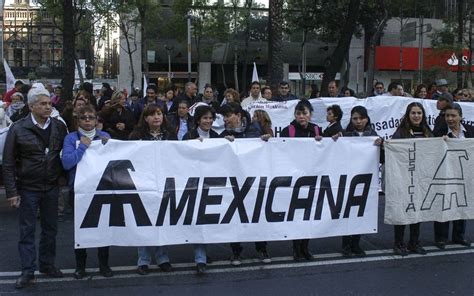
point(31, 169)
point(284, 93)
point(379, 89)
point(463, 95)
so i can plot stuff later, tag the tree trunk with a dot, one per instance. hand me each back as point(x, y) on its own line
point(130, 58)
point(143, 31)
point(69, 49)
point(459, 54)
point(469, 66)
point(337, 57)
point(79, 70)
point(244, 81)
point(372, 44)
point(236, 70)
point(275, 44)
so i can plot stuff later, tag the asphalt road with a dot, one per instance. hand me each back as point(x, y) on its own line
point(448, 272)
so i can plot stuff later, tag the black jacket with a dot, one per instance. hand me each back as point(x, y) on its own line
point(193, 134)
point(174, 122)
point(440, 127)
point(27, 163)
point(111, 117)
point(248, 132)
point(333, 129)
point(181, 97)
point(368, 132)
point(144, 135)
point(469, 133)
point(301, 132)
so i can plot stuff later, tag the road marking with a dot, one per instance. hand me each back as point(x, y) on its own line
point(217, 266)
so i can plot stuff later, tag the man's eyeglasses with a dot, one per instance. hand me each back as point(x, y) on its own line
point(87, 117)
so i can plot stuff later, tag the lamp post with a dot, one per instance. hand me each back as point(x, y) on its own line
point(168, 50)
point(188, 19)
point(357, 74)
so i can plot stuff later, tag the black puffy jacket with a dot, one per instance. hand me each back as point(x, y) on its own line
point(27, 163)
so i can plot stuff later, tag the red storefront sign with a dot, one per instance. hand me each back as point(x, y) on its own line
point(388, 58)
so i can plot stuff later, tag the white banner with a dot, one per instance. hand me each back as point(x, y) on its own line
point(384, 111)
point(145, 193)
point(429, 180)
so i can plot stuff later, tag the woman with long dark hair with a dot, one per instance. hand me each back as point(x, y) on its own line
point(152, 126)
point(359, 126)
point(413, 125)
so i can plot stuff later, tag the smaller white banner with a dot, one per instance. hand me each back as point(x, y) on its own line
point(428, 180)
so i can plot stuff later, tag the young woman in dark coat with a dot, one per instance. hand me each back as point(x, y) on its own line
point(238, 125)
point(152, 126)
point(118, 120)
point(413, 125)
point(301, 127)
point(359, 126)
point(301, 124)
point(334, 117)
point(204, 116)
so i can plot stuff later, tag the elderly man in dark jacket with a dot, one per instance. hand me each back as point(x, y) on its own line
point(31, 168)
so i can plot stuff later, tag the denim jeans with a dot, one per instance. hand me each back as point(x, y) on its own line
point(200, 253)
point(144, 255)
point(47, 203)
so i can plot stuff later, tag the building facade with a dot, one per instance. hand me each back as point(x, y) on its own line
point(32, 44)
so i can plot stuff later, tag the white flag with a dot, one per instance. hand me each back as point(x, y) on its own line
point(254, 73)
point(9, 74)
point(145, 85)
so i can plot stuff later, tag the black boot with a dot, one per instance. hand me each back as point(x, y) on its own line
point(297, 255)
point(305, 251)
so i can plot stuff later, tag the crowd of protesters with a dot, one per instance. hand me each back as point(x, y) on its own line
point(41, 142)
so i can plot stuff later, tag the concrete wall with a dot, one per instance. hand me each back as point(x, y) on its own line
point(204, 75)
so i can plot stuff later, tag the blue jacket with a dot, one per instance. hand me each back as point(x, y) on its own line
point(72, 153)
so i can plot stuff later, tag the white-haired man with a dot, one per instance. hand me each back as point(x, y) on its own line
point(31, 168)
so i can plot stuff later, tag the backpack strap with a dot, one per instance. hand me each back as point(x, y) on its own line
point(291, 131)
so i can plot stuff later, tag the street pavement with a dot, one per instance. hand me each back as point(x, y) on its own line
point(447, 272)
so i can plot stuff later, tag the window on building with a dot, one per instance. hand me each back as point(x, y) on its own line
point(18, 57)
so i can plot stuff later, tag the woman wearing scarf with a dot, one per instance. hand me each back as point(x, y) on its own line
point(72, 154)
